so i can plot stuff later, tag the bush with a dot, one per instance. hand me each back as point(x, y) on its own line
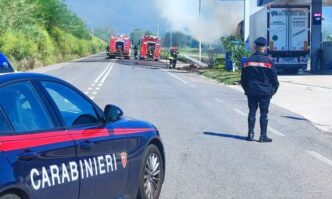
point(18, 45)
point(42, 32)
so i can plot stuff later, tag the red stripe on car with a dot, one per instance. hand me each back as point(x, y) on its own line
point(15, 142)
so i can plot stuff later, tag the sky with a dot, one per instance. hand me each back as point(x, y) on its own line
point(218, 18)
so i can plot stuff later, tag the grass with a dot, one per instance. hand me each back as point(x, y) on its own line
point(221, 75)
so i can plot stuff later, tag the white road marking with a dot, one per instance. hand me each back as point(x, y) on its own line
point(176, 77)
point(92, 97)
point(107, 73)
point(100, 85)
point(102, 73)
point(240, 112)
point(92, 85)
point(275, 132)
point(193, 86)
point(86, 92)
point(94, 93)
point(219, 100)
point(90, 88)
point(320, 157)
point(98, 88)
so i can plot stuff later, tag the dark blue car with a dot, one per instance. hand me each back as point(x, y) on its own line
point(57, 143)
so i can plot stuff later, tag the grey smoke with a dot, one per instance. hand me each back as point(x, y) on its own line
point(218, 18)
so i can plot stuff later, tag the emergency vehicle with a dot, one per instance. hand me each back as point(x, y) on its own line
point(150, 48)
point(119, 46)
point(55, 142)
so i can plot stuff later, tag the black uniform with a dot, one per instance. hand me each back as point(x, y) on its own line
point(259, 81)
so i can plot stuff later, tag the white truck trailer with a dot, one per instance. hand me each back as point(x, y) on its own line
point(287, 29)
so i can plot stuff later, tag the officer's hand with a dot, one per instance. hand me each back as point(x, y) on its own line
point(274, 90)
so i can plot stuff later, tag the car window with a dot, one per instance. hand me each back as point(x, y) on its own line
point(4, 126)
point(74, 108)
point(24, 108)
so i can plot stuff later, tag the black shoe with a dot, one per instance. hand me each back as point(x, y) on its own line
point(250, 137)
point(264, 139)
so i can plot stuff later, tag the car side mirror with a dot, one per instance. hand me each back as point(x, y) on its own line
point(112, 113)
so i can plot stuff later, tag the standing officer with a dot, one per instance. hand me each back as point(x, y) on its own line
point(260, 82)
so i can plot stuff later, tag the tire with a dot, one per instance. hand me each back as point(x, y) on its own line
point(150, 184)
point(10, 196)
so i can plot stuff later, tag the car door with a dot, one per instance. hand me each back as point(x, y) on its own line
point(42, 155)
point(99, 151)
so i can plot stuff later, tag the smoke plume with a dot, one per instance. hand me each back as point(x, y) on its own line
point(218, 18)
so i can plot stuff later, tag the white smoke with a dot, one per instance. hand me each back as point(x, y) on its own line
point(218, 18)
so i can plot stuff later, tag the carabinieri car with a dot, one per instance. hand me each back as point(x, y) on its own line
point(55, 142)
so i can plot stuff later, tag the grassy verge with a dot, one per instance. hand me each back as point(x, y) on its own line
point(221, 75)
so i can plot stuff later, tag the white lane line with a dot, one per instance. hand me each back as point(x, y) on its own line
point(320, 157)
point(94, 93)
point(107, 73)
point(193, 86)
point(98, 88)
point(92, 97)
point(89, 88)
point(102, 73)
point(240, 112)
point(100, 85)
point(92, 85)
point(176, 77)
point(275, 132)
point(86, 93)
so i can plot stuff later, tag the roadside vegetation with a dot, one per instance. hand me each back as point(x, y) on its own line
point(40, 32)
point(219, 72)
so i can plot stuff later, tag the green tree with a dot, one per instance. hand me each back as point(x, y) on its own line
point(104, 33)
point(236, 46)
point(136, 35)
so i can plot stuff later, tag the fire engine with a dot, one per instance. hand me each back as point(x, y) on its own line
point(119, 46)
point(150, 48)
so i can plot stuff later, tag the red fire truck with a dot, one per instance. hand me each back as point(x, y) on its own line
point(119, 46)
point(150, 48)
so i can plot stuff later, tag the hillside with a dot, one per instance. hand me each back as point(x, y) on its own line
point(41, 32)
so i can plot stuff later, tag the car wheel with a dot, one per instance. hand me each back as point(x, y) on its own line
point(9, 196)
point(152, 174)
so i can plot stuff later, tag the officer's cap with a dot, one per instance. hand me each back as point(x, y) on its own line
point(261, 41)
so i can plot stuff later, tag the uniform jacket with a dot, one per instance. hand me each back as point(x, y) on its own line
point(259, 76)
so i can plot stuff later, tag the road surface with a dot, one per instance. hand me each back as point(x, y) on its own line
point(203, 126)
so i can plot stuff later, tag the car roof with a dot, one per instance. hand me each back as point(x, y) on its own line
point(6, 77)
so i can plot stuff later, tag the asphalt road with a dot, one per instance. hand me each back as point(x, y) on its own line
point(203, 126)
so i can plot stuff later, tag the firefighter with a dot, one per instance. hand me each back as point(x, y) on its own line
point(135, 51)
point(259, 80)
point(174, 56)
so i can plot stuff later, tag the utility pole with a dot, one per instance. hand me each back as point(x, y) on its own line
point(246, 23)
point(200, 30)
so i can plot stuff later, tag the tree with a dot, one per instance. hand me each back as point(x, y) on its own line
point(104, 33)
point(178, 39)
point(136, 35)
point(329, 38)
point(236, 46)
